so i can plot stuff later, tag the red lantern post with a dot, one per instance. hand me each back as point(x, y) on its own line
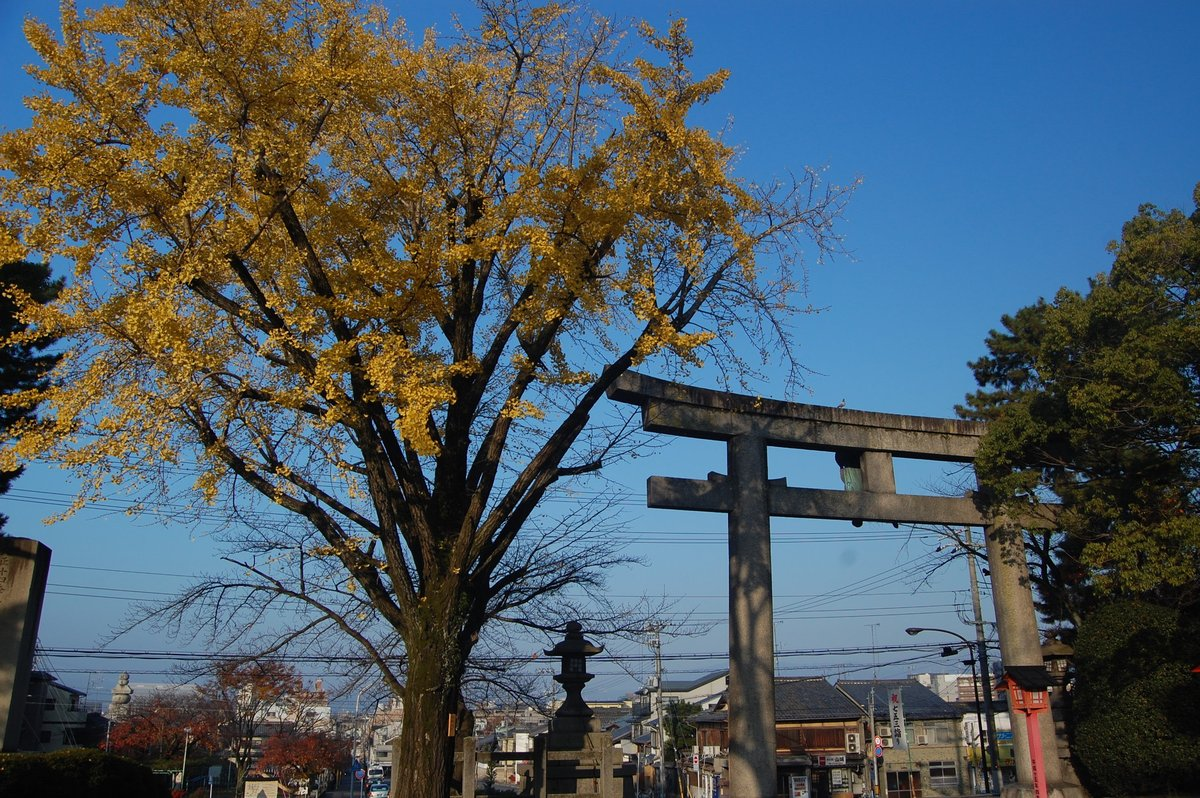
point(1026, 688)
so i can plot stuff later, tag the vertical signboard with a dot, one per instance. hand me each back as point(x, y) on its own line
point(896, 718)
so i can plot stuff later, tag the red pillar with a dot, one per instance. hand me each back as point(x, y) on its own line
point(1036, 754)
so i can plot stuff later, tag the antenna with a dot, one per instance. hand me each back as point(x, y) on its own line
point(874, 654)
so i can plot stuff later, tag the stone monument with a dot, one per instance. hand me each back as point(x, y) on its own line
point(24, 565)
point(122, 694)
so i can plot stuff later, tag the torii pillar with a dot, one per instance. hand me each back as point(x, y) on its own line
point(863, 444)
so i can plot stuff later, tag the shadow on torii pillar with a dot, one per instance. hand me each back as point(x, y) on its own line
point(863, 444)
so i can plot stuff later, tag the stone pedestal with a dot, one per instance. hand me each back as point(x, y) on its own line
point(574, 764)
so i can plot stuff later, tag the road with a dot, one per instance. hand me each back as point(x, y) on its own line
point(343, 789)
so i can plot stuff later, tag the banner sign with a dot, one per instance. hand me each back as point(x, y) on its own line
point(896, 719)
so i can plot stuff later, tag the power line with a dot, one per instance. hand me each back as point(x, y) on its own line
point(209, 656)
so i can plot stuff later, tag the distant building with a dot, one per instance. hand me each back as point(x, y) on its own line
point(644, 740)
point(923, 757)
point(56, 716)
point(703, 691)
point(819, 734)
point(959, 690)
point(382, 730)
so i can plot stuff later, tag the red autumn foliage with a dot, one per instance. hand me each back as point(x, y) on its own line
point(155, 727)
point(303, 755)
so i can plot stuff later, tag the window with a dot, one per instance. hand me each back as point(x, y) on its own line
point(943, 774)
point(903, 784)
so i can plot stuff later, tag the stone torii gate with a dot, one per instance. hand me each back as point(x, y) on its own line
point(863, 444)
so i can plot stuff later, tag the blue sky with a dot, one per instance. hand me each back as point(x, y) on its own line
point(1000, 148)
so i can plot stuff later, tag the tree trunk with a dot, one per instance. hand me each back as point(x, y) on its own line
point(423, 757)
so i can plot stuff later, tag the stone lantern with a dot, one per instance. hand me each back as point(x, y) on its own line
point(574, 714)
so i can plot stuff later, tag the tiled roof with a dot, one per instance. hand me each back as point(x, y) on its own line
point(920, 703)
point(798, 700)
point(710, 717)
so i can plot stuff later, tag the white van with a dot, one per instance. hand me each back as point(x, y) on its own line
point(375, 772)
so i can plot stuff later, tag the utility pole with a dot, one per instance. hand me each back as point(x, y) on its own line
point(187, 738)
point(985, 672)
point(871, 744)
point(871, 712)
point(656, 644)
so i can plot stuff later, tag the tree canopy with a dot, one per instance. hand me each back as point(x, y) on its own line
point(295, 756)
point(243, 696)
point(154, 728)
point(1093, 400)
point(228, 712)
point(382, 285)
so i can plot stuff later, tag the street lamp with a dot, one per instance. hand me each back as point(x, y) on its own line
point(991, 755)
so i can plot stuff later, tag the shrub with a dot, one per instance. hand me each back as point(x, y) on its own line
point(1136, 701)
point(77, 773)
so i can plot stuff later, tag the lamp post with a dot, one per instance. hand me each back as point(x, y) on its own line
point(990, 756)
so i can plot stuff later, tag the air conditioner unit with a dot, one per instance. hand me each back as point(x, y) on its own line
point(853, 743)
point(887, 742)
point(883, 731)
point(922, 739)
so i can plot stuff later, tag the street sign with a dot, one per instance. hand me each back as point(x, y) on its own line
point(878, 742)
point(878, 751)
point(360, 774)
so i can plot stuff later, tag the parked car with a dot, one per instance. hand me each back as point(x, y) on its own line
point(379, 789)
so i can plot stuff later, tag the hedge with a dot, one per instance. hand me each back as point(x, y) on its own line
point(77, 773)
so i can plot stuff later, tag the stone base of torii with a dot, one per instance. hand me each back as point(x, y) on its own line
point(863, 445)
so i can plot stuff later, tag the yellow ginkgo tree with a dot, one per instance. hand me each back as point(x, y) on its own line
point(381, 282)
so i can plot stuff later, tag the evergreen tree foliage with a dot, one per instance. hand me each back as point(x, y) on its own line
point(24, 360)
point(681, 734)
point(1136, 700)
point(1093, 400)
